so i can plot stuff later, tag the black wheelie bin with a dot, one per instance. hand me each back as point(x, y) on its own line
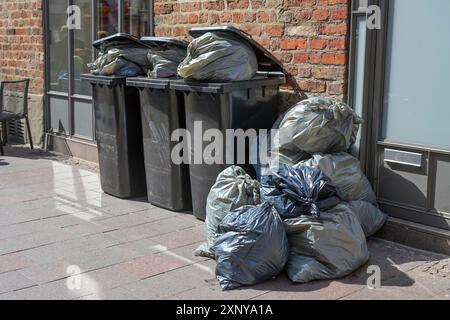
point(162, 112)
point(118, 127)
point(251, 104)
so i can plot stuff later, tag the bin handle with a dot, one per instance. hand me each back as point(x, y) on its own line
point(247, 34)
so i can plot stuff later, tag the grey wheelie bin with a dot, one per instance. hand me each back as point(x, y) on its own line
point(251, 104)
point(118, 127)
point(162, 112)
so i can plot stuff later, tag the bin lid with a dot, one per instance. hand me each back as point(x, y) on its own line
point(259, 81)
point(119, 39)
point(163, 41)
point(266, 61)
point(103, 80)
point(143, 82)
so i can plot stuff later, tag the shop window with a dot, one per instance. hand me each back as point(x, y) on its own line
point(82, 48)
point(58, 65)
point(137, 17)
point(108, 18)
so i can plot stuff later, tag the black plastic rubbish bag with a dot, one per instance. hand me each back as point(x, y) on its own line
point(345, 173)
point(251, 246)
point(299, 191)
point(369, 216)
point(164, 63)
point(233, 189)
point(218, 57)
point(317, 125)
point(330, 249)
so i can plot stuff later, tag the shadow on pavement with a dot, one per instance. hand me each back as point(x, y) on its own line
point(393, 260)
point(25, 152)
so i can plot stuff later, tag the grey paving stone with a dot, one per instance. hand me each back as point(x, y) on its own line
point(13, 262)
point(9, 296)
point(140, 247)
point(124, 208)
point(123, 221)
point(180, 238)
point(47, 272)
point(134, 233)
point(7, 219)
point(87, 229)
point(113, 294)
point(442, 296)
point(97, 259)
point(414, 285)
point(110, 278)
point(53, 252)
point(282, 288)
point(158, 287)
point(152, 265)
point(59, 290)
point(16, 230)
point(188, 252)
point(11, 281)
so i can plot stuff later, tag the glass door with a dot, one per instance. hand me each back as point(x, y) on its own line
point(411, 156)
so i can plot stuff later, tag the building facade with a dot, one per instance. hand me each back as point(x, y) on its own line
point(393, 71)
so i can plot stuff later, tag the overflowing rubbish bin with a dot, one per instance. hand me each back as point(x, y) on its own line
point(244, 104)
point(118, 126)
point(162, 112)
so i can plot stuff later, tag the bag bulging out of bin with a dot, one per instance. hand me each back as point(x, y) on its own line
point(218, 58)
point(299, 191)
point(330, 249)
point(369, 216)
point(121, 61)
point(345, 173)
point(164, 63)
point(317, 125)
point(251, 246)
point(233, 189)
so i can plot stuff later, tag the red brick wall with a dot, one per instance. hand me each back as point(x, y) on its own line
point(22, 43)
point(308, 36)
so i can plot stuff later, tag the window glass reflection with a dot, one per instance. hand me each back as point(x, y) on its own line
point(137, 17)
point(108, 18)
point(82, 45)
point(58, 46)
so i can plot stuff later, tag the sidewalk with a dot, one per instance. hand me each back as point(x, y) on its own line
point(56, 222)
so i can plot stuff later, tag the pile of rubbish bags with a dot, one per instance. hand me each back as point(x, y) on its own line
point(128, 60)
point(310, 212)
point(213, 57)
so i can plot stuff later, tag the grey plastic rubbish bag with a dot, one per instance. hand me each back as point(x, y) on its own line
point(299, 191)
point(317, 125)
point(218, 57)
point(251, 247)
point(330, 249)
point(164, 63)
point(345, 173)
point(121, 61)
point(369, 216)
point(233, 189)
